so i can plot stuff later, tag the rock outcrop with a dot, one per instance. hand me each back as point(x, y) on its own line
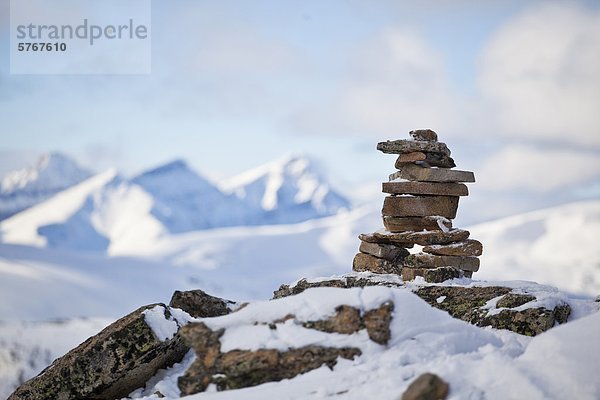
point(239, 368)
point(123, 356)
point(109, 365)
point(465, 303)
point(199, 304)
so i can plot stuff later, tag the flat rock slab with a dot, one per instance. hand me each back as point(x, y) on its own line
point(388, 252)
point(371, 238)
point(367, 263)
point(345, 282)
point(422, 260)
point(422, 238)
point(414, 172)
point(411, 146)
point(427, 159)
point(424, 134)
point(466, 248)
point(432, 275)
point(404, 224)
point(428, 188)
point(199, 304)
point(420, 206)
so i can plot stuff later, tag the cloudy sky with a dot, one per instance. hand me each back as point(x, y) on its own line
point(513, 88)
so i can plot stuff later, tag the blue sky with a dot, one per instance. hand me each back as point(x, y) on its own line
point(513, 88)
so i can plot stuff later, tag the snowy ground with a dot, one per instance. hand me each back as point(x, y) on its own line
point(478, 363)
point(555, 247)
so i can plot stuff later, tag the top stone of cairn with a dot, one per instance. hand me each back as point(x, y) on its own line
point(426, 135)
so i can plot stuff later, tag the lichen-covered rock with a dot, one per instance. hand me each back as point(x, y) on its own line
point(427, 387)
point(432, 275)
point(465, 303)
point(512, 300)
point(344, 282)
point(199, 304)
point(110, 365)
point(423, 134)
point(244, 368)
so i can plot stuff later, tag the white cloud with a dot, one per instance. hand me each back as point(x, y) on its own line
point(540, 74)
point(393, 83)
point(537, 170)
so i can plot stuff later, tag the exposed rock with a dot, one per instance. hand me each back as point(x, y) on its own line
point(466, 303)
point(386, 251)
point(422, 260)
point(428, 188)
point(199, 304)
point(467, 248)
point(377, 322)
point(414, 172)
point(424, 134)
point(411, 146)
point(344, 282)
point(423, 238)
point(411, 157)
point(420, 206)
point(460, 302)
point(348, 320)
point(432, 275)
point(403, 224)
point(513, 300)
point(367, 263)
point(110, 365)
point(425, 159)
point(244, 368)
point(426, 387)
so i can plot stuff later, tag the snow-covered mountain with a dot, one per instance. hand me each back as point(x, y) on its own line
point(24, 188)
point(110, 213)
point(288, 190)
point(185, 201)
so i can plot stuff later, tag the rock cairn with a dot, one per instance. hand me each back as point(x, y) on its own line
point(422, 201)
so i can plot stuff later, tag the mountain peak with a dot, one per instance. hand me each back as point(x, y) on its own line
point(51, 173)
point(169, 167)
point(288, 189)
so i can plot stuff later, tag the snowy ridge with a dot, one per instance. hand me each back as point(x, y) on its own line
point(108, 213)
point(24, 188)
point(285, 191)
point(476, 362)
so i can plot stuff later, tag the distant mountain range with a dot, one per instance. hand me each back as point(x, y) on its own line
point(54, 205)
point(27, 187)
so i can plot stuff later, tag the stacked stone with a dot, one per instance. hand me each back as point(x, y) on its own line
point(423, 200)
